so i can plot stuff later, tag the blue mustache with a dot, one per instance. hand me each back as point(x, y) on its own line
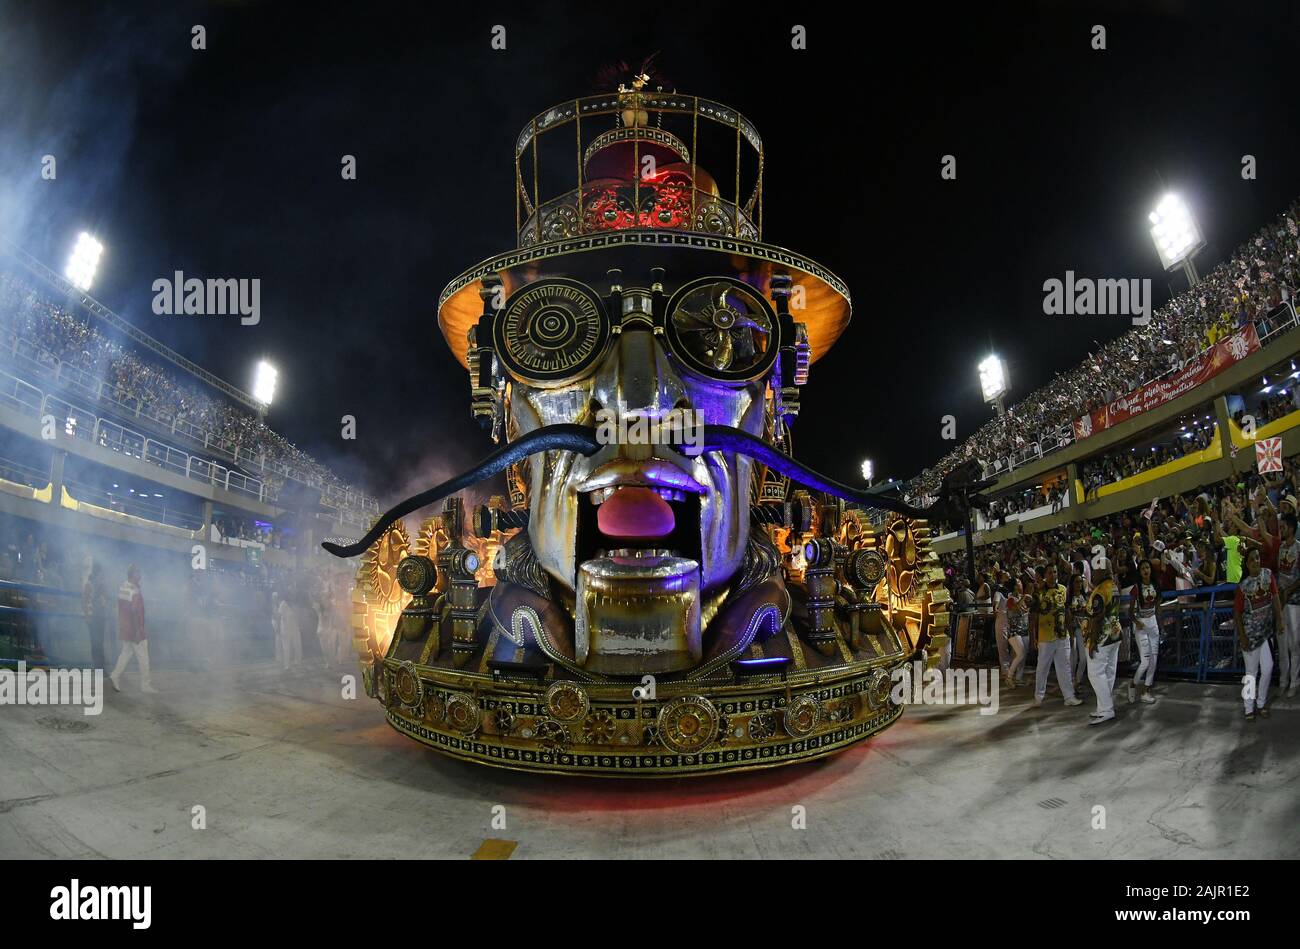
point(582, 439)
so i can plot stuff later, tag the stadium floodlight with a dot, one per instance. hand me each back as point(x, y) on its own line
point(868, 472)
point(84, 261)
point(264, 383)
point(1176, 235)
point(993, 381)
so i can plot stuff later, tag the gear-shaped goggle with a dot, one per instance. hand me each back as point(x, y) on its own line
point(555, 330)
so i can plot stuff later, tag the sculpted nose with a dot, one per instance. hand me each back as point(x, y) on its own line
point(637, 379)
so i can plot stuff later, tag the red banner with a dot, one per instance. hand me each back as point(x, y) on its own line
point(1207, 365)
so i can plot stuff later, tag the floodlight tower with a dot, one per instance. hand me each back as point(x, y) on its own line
point(1176, 236)
point(868, 471)
point(994, 383)
point(264, 380)
point(83, 261)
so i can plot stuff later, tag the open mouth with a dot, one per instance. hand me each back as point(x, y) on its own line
point(638, 568)
point(637, 512)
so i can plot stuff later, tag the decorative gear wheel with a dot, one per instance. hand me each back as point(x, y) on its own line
point(434, 709)
point(688, 724)
point(566, 701)
point(802, 715)
point(847, 709)
point(416, 574)
point(868, 567)
point(463, 713)
point(879, 686)
point(378, 573)
point(407, 685)
point(503, 720)
point(552, 736)
point(598, 728)
point(900, 547)
point(762, 726)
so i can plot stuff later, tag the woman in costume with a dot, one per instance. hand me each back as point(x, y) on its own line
point(1257, 611)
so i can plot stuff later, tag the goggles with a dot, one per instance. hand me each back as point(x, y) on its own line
point(555, 331)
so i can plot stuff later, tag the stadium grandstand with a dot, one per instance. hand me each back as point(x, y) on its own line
point(1160, 446)
point(114, 449)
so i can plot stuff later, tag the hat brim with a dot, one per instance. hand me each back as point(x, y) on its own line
point(685, 255)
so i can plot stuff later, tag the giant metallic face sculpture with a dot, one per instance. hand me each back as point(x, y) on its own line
point(643, 535)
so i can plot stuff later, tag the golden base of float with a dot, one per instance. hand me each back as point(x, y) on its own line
point(721, 729)
point(466, 694)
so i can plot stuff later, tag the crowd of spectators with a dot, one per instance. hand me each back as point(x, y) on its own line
point(1259, 276)
point(65, 335)
point(1272, 407)
point(1120, 464)
point(1027, 499)
point(1194, 539)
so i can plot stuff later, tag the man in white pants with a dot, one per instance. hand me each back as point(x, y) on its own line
point(1104, 635)
point(131, 631)
point(1053, 639)
point(1288, 582)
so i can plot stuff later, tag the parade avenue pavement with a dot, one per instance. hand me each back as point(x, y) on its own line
point(279, 765)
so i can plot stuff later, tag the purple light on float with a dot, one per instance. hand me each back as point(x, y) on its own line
point(768, 664)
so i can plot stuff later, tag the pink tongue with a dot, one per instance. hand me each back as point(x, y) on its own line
point(635, 514)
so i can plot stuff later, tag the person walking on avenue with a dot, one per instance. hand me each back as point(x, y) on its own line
point(1048, 608)
point(94, 607)
point(1104, 635)
point(1144, 611)
point(1257, 611)
point(131, 631)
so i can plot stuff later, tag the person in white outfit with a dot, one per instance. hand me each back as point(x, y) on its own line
point(1257, 611)
point(1048, 620)
point(1103, 639)
point(1144, 611)
point(290, 634)
point(1288, 582)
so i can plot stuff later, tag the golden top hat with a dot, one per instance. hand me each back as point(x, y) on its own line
point(642, 200)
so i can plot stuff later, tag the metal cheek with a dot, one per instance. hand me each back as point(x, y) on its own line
point(552, 498)
point(724, 514)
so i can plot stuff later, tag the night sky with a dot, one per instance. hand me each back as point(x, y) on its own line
point(225, 162)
